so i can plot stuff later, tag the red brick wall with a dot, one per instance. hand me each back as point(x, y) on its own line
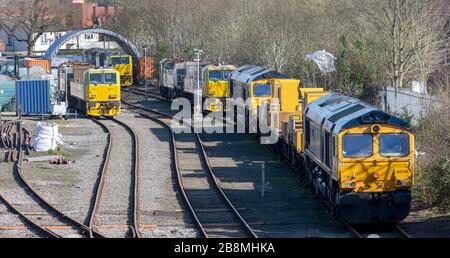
point(83, 13)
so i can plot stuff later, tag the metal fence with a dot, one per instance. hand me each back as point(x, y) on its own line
point(405, 100)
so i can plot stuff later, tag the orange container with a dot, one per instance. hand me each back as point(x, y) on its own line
point(29, 62)
point(148, 67)
point(2, 46)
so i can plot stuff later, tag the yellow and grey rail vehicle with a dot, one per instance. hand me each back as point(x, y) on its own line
point(172, 77)
point(99, 95)
point(166, 78)
point(215, 86)
point(257, 85)
point(359, 158)
point(124, 65)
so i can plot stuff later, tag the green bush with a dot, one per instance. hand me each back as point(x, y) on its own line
point(433, 162)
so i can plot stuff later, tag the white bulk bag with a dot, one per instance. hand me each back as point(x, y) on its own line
point(47, 137)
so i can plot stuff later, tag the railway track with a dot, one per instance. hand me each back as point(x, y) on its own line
point(388, 231)
point(48, 213)
point(395, 231)
point(210, 208)
point(111, 167)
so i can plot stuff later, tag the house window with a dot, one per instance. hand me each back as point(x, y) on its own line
point(44, 39)
point(88, 36)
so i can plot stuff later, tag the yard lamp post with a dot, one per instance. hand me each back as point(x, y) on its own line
point(145, 48)
point(198, 93)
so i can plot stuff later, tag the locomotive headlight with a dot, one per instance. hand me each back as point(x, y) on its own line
point(92, 96)
point(375, 129)
point(401, 183)
point(350, 184)
point(113, 96)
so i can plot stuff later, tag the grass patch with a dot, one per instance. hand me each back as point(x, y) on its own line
point(58, 151)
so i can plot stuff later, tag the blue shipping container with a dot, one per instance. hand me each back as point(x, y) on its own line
point(33, 97)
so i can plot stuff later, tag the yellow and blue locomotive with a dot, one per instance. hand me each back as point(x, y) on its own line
point(359, 158)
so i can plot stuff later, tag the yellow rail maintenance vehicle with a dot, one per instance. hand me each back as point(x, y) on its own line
point(290, 144)
point(256, 85)
point(99, 95)
point(215, 86)
point(124, 65)
point(359, 158)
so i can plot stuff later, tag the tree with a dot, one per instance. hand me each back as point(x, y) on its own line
point(34, 17)
point(410, 36)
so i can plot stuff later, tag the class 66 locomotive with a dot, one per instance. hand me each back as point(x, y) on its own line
point(356, 156)
point(359, 158)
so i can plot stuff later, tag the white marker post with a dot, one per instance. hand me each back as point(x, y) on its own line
point(198, 117)
point(263, 179)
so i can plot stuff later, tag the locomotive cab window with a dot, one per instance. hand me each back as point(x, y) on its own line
point(219, 75)
point(226, 74)
point(357, 145)
point(394, 145)
point(96, 78)
point(110, 78)
point(125, 60)
point(120, 60)
point(115, 61)
point(261, 90)
point(215, 75)
point(103, 78)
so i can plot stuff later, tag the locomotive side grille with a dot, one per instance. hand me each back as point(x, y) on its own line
point(345, 113)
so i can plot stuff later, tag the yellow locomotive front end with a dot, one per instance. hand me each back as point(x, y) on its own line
point(102, 92)
point(124, 65)
point(360, 158)
point(376, 170)
point(376, 158)
point(216, 87)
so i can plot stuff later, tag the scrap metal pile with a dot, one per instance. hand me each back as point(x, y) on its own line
point(10, 140)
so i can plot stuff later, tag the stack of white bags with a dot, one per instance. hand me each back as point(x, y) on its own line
point(47, 137)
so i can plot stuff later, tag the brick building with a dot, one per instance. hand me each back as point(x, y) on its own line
point(85, 15)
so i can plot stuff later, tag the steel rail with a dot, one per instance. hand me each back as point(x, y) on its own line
point(30, 223)
point(101, 179)
point(402, 231)
point(211, 172)
point(352, 230)
point(358, 234)
point(135, 180)
point(176, 166)
point(49, 207)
